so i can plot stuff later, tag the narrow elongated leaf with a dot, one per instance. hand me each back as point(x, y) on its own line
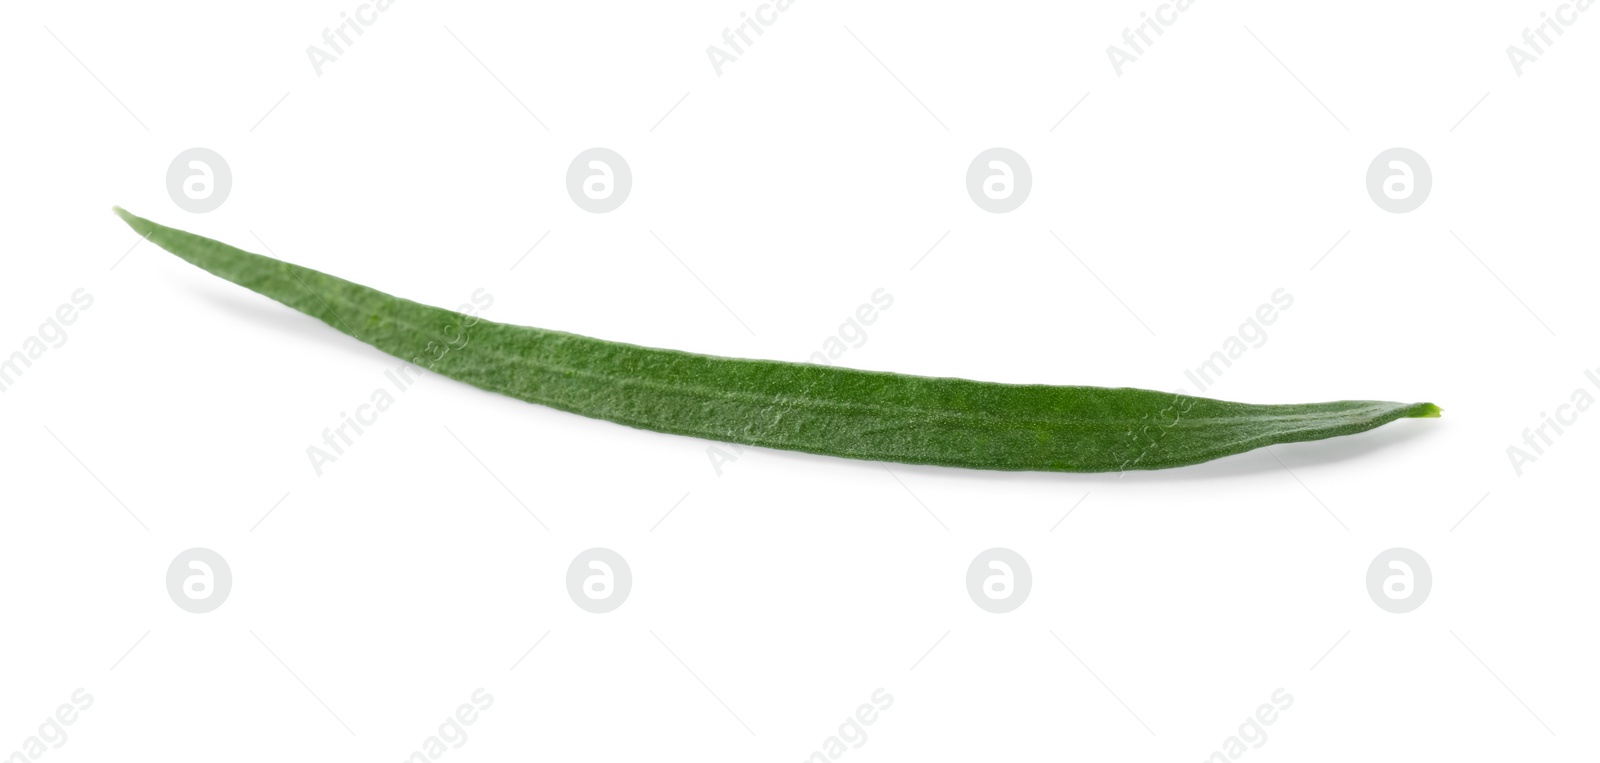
point(794, 406)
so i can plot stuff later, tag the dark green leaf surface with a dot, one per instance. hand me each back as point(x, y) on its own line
point(794, 406)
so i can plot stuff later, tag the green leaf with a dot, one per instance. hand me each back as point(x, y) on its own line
point(795, 406)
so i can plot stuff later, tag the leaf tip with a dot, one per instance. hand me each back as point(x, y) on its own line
point(1424, 411)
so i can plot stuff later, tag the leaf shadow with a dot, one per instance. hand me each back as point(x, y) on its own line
point(258, 310)
point(1253, 463)
point(255, 310)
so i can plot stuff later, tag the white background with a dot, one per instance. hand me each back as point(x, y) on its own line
point(777, 596)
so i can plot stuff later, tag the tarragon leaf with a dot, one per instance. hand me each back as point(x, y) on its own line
point(794, 406)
